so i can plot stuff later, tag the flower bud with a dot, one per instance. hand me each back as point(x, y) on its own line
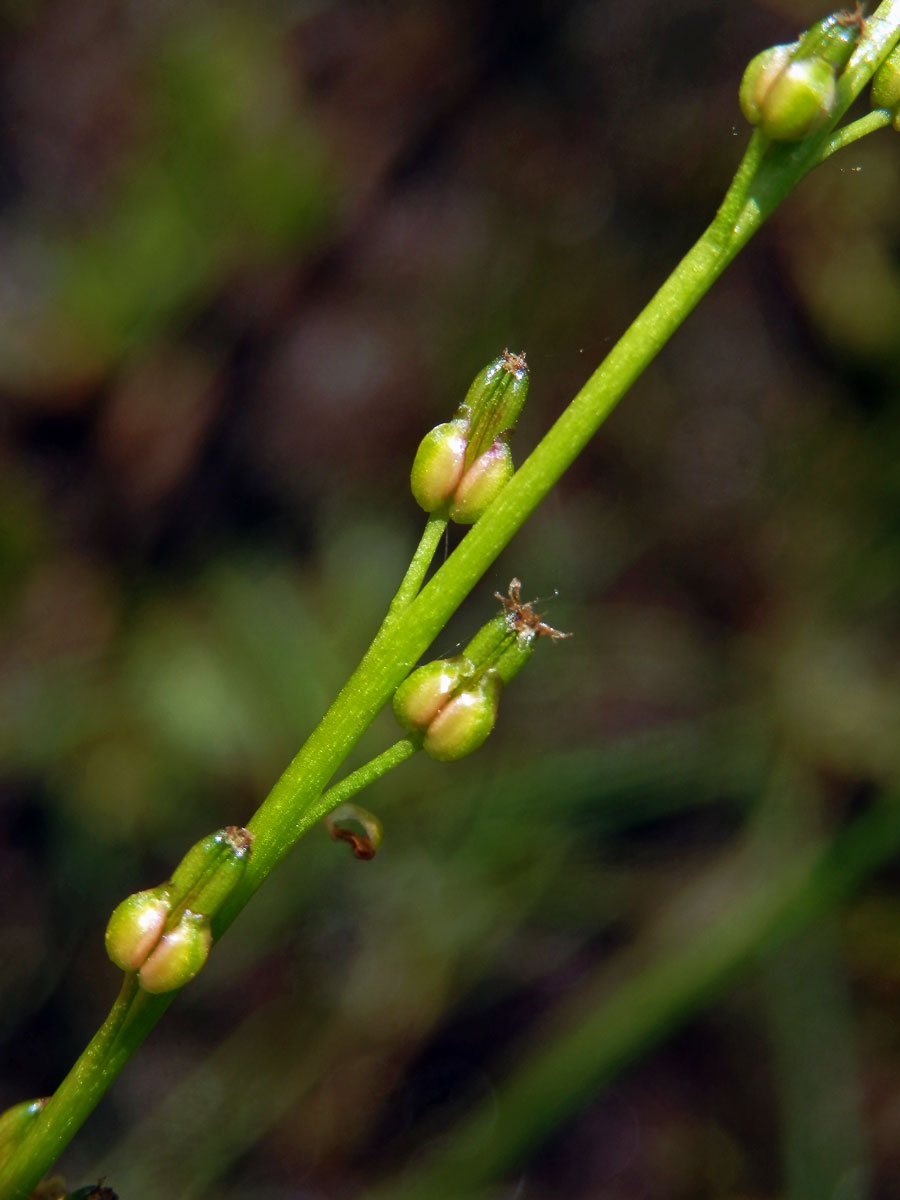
point(439, 464)
point(466, 461)
point(421, 695)
point(761, 73)
point(135, 927)
point(494, 401)
point(465, 721)
point(482, 483)
point(164, 933)
point(178, 955)
point(800, 101)
point(791, 91)
point(886, 87)
point(16, 1121)
point(453, 701)
point(211, 870)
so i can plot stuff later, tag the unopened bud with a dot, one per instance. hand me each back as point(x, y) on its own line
point(422, 694)
point(16, 1121)
point(791, 91)
point(164, 933)
point(465, 721)
point(494, 401)
point(211, 870)
point(439, 464)
point(482, 483)
point(800, 102)
point(886, 87)
point(761, 73)
point(178, 955)
point(135, 927)
point(453, 701)
point(465, 462)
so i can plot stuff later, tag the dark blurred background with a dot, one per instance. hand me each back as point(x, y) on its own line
point(249, 253)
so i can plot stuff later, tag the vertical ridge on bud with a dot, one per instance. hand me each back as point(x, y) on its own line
point(421, 695)
point(464, 722)
point(178, 955)
point(494, 401)
point(211, 870)
point(135, 927)
point(482, 483)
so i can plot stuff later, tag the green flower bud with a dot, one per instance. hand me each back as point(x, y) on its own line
point(447, 454)
point(800, 101)
point(135, 927)
point(482, 483)
point(761, 73)
point(178, 955)
point(211, 870)
point(791, 91)
point(494, 401)
point(421, 695)
point(465, 721)
point(16, 1121)
point(164, 933)
point(886, 87)
point(454, 700)
point(439, 464)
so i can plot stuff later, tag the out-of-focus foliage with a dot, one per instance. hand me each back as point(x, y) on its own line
point(248, 255)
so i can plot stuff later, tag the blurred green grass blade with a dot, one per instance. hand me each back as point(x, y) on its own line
point(813, 1038)
point(591, 1043)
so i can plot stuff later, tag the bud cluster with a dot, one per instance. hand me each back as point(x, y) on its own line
point(164, 933)
point(790, 91)
point(463, 464)
point(452, 702)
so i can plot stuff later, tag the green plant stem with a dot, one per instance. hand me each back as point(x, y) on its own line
point(878, 118)
point(366, 774)
point(292, 805)
point(135, 1012)
point(72, 1102)
point(417, 570)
